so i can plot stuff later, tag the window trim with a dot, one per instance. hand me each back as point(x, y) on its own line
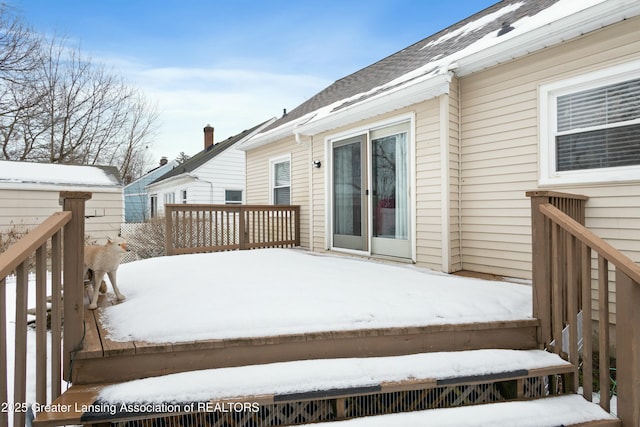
point(547, 98)
point(153, 205)
point(169, 197)
point(272, 162)
point(230, 202)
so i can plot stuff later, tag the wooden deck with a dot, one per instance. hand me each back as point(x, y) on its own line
point(103, 360)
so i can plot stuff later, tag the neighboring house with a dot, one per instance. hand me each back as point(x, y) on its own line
point(30, 192)
point(214, 175)
point(426, 155)
point(136, 198)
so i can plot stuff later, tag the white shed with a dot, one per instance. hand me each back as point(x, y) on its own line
point(29, 193)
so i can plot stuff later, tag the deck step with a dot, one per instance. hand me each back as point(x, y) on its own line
point(102, 360)
point(568, 410)
point(302, 391)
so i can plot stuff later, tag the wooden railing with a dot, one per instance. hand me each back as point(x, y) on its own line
point(65, 231)
point(192, 228)
point(562, 278)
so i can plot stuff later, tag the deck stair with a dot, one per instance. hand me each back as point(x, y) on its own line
point(317, 391)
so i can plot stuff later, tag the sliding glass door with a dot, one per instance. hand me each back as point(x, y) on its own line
point(370, 192)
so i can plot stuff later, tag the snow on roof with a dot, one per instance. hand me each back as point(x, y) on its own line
point(474, 39)
point(306, 293)
point(443, 64)
point(68, 175)
point(474, 25)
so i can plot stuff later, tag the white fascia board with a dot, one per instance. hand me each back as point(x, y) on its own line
point(264, 138)
point(183, 178)
point(29, 186)
point(564, 29)
point(403, 96)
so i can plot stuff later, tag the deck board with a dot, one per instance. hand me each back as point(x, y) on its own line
point(132, 360)
point(103, 360)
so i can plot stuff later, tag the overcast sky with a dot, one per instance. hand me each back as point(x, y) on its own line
point(236, 63)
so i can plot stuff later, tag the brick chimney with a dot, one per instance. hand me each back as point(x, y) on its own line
point(163, 161)
point(208, 136)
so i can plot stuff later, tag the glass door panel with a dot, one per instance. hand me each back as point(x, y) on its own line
point(349, 203)
point(390, 195)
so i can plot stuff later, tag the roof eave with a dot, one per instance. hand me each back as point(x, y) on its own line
point(264, 138)
point(182, 178)
point(403, 96)
point(554, 33)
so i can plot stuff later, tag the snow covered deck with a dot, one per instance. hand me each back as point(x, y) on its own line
point(246, 307)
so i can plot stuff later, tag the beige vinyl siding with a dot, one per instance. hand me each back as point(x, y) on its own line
point(27, 208)
point(500, 154)
point(318, 190)
point(258, 191)
point(428, 185)
point(455, 263)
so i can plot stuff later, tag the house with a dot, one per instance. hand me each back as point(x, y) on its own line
point(136, 196)
point(29, 193)
point(426, 155)
point(214, 175)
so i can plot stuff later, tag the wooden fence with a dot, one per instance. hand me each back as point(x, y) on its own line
point(192, 228)
point(65, 232)
point(565, 255)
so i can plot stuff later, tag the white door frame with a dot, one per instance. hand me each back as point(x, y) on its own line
point(328, 161)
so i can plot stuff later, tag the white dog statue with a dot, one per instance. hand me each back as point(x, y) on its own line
point(104, 259)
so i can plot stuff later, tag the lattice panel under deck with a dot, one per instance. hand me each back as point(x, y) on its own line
point(280, 414)
point(293, 413)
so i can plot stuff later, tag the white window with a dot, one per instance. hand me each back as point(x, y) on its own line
point(153, 205)
point(233, 197)
point(280, 181)
point(183, 196)
point(590, 128)
point(169, 198)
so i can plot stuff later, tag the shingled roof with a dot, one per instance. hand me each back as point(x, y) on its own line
point(205, 155)
point(507, 30)
point(444, 43)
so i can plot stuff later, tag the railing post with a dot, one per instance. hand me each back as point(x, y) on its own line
point(541, 267)
point(628, 349)
point(242, 233)
point(297, 225)
point(168, 230)
point(541, 273)
point(73, 275)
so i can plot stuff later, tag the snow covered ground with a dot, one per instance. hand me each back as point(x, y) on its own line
point(272, 292)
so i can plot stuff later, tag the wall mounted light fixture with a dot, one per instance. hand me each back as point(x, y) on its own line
point(317, 163)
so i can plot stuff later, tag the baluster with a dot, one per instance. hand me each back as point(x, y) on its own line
point(41, 324)
point(557, 305)
point(572, 302)
point(587, 325)
point(4, 418)
point(20, 361)
point(56, 314)
point(603, 331)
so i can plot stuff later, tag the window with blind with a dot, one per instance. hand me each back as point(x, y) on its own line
point(281, 181)
point(599, 128)
point(590, 127)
